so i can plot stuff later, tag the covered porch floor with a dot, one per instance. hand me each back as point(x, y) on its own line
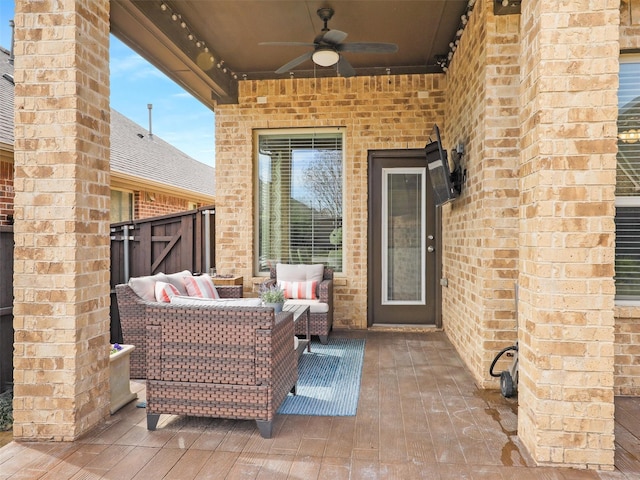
point(419, 416)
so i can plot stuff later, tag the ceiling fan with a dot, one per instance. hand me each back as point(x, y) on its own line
point(328, 48)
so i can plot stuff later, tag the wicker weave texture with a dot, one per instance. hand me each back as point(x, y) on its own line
point(132, 311)
point(229, 362)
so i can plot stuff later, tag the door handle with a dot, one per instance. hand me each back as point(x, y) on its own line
point(430, 249)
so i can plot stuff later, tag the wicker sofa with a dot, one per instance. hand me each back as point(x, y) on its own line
point(133, 300)
point(224, 362)
point(320, 307)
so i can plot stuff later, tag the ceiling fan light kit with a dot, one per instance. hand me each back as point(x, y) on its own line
point(325, 57)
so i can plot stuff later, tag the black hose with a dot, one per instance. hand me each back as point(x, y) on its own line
point(495, 360)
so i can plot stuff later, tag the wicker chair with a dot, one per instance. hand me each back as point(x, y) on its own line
point(321, 322)
point(131, 309)
point(223, 362)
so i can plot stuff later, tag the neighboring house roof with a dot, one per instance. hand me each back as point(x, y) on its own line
point(6, 98)
point(133, 153)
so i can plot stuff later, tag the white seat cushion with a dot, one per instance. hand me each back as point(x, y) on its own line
point(299, 273)
point(315, 306)
point(210, 302)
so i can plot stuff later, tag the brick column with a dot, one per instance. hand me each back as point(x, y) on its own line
point(568, 160)
point(61, 273)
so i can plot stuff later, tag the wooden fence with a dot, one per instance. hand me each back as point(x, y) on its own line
point(170, 243)
point(6, 307)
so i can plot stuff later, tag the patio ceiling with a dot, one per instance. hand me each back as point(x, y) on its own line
point(230, 31)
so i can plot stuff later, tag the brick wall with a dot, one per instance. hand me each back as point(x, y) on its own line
point(61, 232)
point(375, 112)
point(149, 203)
point(629, 25)
point(627, 329)
point(567, 170)
point(480, 229)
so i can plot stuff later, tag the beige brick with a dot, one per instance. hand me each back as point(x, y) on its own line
point(61, 236)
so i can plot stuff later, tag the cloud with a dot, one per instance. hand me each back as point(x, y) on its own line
point(134, 67)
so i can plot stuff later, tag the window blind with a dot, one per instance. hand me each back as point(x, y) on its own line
point(627, 261)
point(300, 178)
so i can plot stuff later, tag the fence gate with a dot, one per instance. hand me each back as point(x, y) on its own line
point(169, 244)
point(6, 307)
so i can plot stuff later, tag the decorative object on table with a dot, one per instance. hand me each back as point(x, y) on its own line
point(272, 296)
point(328, 380)
point(119, 369)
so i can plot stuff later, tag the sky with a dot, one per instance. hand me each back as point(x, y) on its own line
point(177, 117)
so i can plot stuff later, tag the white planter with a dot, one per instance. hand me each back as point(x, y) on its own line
point(119, 368)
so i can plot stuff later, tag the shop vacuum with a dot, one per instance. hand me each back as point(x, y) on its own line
point(508, 378)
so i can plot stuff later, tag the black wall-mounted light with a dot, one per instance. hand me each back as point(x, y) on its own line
point(506, 7)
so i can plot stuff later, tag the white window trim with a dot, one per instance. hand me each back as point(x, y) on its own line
point(256, 181)
point(626, 201)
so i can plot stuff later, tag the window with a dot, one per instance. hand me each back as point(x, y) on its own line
point(627, 264)
point(299, 209)
point(121, 206)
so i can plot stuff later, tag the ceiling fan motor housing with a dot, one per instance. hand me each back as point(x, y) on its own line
point(327, 48)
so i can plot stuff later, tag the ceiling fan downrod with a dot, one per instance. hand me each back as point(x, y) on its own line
point(325, 15)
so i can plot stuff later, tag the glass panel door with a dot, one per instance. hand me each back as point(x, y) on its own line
point(403, 236)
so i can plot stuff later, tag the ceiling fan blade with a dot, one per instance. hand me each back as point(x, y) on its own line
point(344, 68)
point(288, 44)
point(295, 62)
point(333, 37)
point(368, 47)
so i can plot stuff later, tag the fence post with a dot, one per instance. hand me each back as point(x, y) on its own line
point(207, 239)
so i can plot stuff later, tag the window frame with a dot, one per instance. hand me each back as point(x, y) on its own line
point(622, 201)
point(132, 199)
point(257, 133)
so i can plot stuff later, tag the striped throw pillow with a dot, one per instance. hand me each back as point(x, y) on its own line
point(165, 291)
point(300, 290)
point(201, 286)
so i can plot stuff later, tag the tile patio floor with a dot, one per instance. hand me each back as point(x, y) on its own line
point(419, 416)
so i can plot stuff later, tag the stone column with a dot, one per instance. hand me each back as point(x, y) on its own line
point(61, 273)
point(569, 88)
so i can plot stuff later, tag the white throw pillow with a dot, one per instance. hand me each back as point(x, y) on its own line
point(145, 286)
point(177, 280)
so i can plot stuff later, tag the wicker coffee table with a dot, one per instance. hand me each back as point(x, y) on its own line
point(298, 311)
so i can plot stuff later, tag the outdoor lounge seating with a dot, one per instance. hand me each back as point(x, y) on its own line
point(295, 280)
point(225, 362)
point(134, 299)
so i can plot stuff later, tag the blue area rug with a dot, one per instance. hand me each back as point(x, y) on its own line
point(328, 380)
